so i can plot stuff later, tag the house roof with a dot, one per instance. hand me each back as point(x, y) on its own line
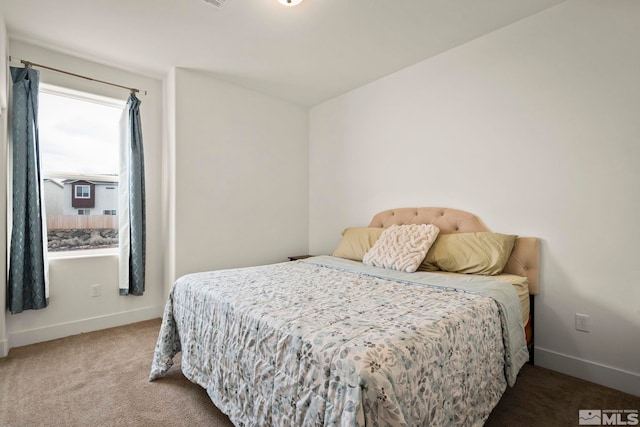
point(67, 178)
point(71, 181)
point(54, 181)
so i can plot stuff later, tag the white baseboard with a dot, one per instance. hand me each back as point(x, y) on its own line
point(4, 348)
point(61, 330)
point(619, 379)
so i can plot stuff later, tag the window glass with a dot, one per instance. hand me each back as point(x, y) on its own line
point(83, 192)
point(79, 147)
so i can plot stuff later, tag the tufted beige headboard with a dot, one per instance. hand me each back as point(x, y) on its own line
point(525, 256)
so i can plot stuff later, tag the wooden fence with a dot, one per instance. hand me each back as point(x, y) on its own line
point(80, 222)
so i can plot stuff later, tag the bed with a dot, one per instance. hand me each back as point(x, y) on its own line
point(332, 341)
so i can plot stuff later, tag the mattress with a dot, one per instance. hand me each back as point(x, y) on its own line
point(327, 341)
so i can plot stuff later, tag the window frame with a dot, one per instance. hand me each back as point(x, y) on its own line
point(81, 187)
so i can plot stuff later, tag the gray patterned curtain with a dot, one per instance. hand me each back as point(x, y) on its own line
point(132, 234)
point(28, 282)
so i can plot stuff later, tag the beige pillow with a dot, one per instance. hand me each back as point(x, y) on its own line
point(471, 253)
point(356, 241)
point(402, 247)
point(429, 262)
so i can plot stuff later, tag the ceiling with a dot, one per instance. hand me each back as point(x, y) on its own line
point(305, 54)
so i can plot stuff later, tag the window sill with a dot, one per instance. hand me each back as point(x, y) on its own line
point(84, 253)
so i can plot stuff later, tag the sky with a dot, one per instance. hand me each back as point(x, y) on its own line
point(77, 136)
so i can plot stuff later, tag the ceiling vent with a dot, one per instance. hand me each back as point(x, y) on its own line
point(217, 3)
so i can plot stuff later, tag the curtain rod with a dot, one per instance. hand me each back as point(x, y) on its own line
point(33, 64)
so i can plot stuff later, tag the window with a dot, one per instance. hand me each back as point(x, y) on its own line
point(79, 148)
point(83, 192)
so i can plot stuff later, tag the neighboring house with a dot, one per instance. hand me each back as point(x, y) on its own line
point(95, 195)
point(81, 202)
point(53, 196)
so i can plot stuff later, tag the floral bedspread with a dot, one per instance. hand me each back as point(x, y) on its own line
point(311, 343)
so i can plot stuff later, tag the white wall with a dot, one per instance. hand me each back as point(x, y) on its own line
point(4, 41)
point(534, 128)
point(72, 309)
point(168, 179)
point(240, 175)
point(4, 44)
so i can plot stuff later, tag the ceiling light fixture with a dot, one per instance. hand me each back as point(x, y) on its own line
point(216, 3)
point(290, 2)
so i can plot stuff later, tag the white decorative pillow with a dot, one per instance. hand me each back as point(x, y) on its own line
point(402, 247)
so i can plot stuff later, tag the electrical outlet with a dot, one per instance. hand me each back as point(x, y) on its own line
point(582, 322)
point(95, 290)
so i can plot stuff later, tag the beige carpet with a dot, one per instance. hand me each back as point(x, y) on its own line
point(100, 379)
